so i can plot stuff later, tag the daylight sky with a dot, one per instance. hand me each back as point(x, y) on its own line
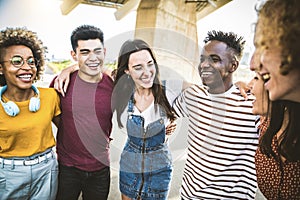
point(45, 18)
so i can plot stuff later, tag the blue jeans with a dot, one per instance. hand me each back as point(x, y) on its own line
point(146, 161)
point(93, 185)
point(29, 181)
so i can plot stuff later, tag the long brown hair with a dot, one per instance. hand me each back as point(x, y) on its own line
point(289, 141)
point(124, 85)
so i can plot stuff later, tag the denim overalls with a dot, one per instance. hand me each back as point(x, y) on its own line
point(146, 163)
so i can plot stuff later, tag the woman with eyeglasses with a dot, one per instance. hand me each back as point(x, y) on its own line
point(28, 165)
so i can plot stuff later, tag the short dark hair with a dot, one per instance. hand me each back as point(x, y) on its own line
point(23, 36)
point(85, 32)
point(233, 41)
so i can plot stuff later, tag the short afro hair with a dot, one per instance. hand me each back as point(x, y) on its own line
point(231, 39)
point(23, 36)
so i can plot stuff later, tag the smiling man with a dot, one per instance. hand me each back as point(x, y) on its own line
point(83, 135)
point(222, 130)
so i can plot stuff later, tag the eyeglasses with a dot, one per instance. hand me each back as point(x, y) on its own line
point(18, 61)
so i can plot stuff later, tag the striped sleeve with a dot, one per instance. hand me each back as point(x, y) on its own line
point(222, 140)
point(179, 106)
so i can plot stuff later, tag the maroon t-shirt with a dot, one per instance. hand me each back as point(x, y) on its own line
point(84, 133)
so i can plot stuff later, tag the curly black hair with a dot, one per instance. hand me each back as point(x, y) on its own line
point(231, 39)
point(23, 36)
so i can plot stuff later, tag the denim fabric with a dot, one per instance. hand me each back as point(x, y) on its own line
point(93, 185)
point(146, 163)
point(32, 182)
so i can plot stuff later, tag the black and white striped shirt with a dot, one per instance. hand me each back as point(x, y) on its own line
point(222, 139)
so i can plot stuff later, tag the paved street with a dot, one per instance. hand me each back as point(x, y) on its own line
point(175, 184)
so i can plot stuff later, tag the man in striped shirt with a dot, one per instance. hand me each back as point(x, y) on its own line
point(222, 133)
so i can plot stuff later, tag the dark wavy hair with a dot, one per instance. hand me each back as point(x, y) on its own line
point(289, 141)
point(23, 36)
point(124, 85)
point(231, 39)
point(86, 32)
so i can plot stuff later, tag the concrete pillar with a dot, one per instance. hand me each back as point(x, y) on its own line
point(170, 27)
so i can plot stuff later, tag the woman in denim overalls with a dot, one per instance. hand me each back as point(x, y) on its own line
point(140, 101)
